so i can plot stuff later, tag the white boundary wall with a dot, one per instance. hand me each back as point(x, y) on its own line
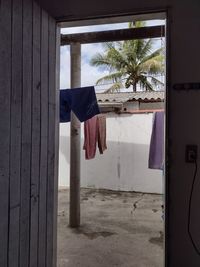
point(124, 165)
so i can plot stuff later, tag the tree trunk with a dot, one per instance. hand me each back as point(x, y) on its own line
point(134, 87)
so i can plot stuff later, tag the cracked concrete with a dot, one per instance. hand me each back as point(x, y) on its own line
point(117, 229)
point(137, 201)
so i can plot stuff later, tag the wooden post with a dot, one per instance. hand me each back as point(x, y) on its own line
point(75, 141)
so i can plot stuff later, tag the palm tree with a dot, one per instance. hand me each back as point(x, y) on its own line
point(130, 63)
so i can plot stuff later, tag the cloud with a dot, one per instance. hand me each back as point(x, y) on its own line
point(89, 74)
point(106, 27)
point(93, 28)
point(65, 67)
point(89, 50)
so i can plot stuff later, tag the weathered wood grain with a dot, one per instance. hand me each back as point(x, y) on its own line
point(28, 162)
point(36, 133)
point(44, 141)
point(15, 133)
point(26, 134)
point(51, 143)
point(5, 92)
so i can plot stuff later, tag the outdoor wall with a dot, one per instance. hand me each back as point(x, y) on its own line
point(143, 105)
point(158, 105)
point(131, 105)
point(124, 165)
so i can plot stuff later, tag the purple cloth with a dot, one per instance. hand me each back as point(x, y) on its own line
point(156, 152)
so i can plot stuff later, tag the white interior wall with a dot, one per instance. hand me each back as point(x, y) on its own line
point(184, 128)
point(124, 165)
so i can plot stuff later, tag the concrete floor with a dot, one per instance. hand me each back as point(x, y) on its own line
point(117, 229)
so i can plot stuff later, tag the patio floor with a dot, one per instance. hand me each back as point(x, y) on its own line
point(117, 229)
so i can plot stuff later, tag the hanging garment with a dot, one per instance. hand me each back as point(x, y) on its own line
point(82, 101)
point(94, 133)
point(101, 128)
point(65, 105)
point(156, 151)
point(90, 137)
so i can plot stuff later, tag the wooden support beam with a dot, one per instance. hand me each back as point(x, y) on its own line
point(75, 142)
point(114, 35)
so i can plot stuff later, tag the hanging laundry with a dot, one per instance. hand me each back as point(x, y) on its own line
point(90, 140)
point(101, 128)
point(82, 101)
point(156, 152)
point(65, 105)
point(94, 133)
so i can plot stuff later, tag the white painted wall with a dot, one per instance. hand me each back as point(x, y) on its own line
point(124, 165)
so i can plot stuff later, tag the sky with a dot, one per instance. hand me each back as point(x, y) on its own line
point(89, 74)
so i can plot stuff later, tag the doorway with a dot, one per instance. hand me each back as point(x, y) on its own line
point(98, 226)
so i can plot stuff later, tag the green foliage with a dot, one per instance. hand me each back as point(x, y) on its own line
point(130, 62)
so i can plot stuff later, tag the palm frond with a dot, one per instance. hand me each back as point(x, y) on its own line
point(156, 81)
point(153, 65)
point(146, 49)
point(156, 53)
point(136, 24)
point(113, 77)
point(115, 88)
point(145, 84)
point(100, 60)
point(108, 45)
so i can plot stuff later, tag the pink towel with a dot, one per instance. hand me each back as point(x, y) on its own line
point(90, 132)
point(94, 132)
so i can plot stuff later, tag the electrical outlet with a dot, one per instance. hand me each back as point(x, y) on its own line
point(191, 153)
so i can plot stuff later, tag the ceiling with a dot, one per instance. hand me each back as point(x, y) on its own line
point(75, 10)
point(56, 8)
